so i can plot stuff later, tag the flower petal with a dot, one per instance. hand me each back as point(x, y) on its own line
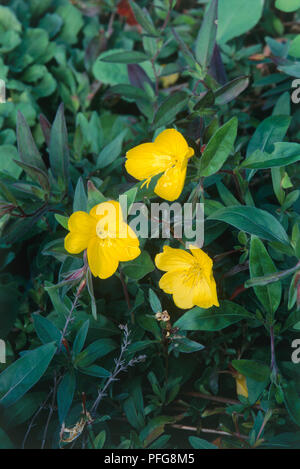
point(170, 185)
point(147, 160)
point(82, 223)
point(202, 258)
point(183, 291)
point(76, 242)
point(126, 248)
point(173, 259)
point(101, 262)
point(205, 294)
point(171, 142)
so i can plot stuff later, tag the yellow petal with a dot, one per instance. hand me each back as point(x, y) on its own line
point(173, 282)
point(241, 385)
point(204, 294)
point(125, 249)
point(183, 291)
point(171, 142)
point(169, 80)
point(201, 257)
point(146, 160)
point(76, 242)
point(110, 208)
point(170, 185)
point(169, 281)
point(173, 259)
point(101, 262)
point(81, 222)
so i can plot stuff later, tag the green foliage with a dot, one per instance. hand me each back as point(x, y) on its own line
point(83, 86)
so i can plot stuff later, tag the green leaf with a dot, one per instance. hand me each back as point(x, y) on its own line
point(72, 23)
point(28, 151)
point(8, 164)
point(218, 148)
point(206, 38)
point(125, 57)
point(80, 338)
point(46, 330)
point(62, 220)
point(236, 18)
point(111, 151)
point(100, 440)
point(294, 49)
point(212, 319)
point(287, 5)
point(65, 395)
point(271, 130)
point(185, 345)
point(36, 174)
point(252, 220)
point(24, 373)
point(96, 371)
point(110, 73)
point(59, 149)
point(155, 428)
point(154, 302)
point(5, 441)
point(143, 19)
point(284, 154)
point(168, 110)
point(95, 197)
point(127, 91)
point(231, 90)
point(94, 351)
point(10, 305)
point(199, 443)
point(80, 197)
point(261, 264)
point(252, 369)
point(8, 20)
point(292, 401)
point(21, 411)
point(139, 267)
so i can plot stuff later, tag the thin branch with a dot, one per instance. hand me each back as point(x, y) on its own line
point(208, 430)
point(70, 315)
point(50, 411)
point(120, 365)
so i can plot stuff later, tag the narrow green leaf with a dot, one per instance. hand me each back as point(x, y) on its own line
point(143, 18)
point(212, 319)
point(218, 148)
point(125, 57)
point(65, 395)
point(252, 220)
point(231, 90)
point(59, 149)
point(170, 108)
point(46, 330)
point(24, 373)
point(80, 338)
point(28, 151)
point(206, 38)
point(80, 197)
point(199, 443)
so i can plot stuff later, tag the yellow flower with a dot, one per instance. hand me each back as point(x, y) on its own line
point(241, 385)
point(105, 235)
point(189, 277)
point(169, 80)
point(168, 154)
